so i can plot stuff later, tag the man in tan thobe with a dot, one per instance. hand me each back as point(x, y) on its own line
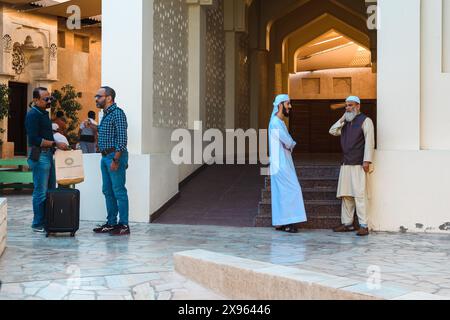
point(358, 142)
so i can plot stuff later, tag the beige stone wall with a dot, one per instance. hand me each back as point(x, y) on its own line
point(44, 67)
point(81, 69)
point(333, 84)
point(39, 33)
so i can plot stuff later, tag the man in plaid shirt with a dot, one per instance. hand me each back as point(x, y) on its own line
point(112, 143)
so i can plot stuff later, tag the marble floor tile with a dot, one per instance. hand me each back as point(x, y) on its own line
point(93, 266)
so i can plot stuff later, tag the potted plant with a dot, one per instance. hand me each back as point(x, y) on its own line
point(66, 101)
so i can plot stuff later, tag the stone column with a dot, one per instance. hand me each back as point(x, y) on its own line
point(234, 24)
point(230, 80)
point(127, 66)
point(123, 60)
point(435, 20)
point(197, 66)
point(258, 87)
point(399, 75)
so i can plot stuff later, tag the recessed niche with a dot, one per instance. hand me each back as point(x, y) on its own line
point(342, 85)
point(311, 86)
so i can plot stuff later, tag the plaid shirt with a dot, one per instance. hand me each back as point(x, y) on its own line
point(112, 131)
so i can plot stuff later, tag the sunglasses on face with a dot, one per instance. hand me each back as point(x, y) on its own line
point(49, 99)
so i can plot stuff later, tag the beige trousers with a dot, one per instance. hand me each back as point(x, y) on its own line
point(349, 204)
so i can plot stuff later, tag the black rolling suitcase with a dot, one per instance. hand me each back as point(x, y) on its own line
point(62, 213)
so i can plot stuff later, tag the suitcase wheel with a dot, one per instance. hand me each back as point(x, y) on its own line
point(47, 235)
point(72, 234)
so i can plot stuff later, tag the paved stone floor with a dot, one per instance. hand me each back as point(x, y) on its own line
point(141, 266)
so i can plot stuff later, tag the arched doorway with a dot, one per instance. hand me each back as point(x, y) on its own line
point(327, 70)
point(278, 29)
point(320, 52)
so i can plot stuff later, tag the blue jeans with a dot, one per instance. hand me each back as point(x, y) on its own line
point(87, 147)
point(114, 189)
point(44, 178)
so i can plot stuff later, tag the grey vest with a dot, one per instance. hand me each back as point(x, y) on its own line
point(353, 141)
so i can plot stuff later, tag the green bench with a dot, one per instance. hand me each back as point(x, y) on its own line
point(15, 178)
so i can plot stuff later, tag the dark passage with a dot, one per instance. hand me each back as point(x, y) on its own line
point(222, 195)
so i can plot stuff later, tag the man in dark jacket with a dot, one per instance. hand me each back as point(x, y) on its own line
point(358, 142)
point(40, 139)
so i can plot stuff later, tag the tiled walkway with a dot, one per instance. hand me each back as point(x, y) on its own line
point(141, 266)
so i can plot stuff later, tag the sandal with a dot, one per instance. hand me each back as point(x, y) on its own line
point(290, 229)
point(344, 228)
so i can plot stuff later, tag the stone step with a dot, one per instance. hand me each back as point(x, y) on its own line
point(317, 223)
point(313, 208)
point(319, 187)
point(319, 183)
point(312, 183)
point(318, 171)
point(313, 223)
point(244, 279)
point(308, 194)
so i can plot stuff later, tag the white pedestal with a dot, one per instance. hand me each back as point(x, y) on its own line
point(3, 224)
point(152, 180)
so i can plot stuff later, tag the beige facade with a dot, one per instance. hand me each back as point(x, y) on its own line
point(79, 64)
point(39, 50)
point(28, 52)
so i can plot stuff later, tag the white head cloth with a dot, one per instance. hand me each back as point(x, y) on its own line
point(353, 99)
point(279, 99)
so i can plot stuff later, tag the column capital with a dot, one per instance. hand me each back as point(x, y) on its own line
point(202, 2)
point(235, 16)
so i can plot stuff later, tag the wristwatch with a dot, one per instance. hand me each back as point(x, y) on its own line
point(54, 144)
point(116, 160)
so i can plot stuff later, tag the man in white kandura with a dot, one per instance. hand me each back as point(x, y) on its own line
point(358, 142)
point(288, 208)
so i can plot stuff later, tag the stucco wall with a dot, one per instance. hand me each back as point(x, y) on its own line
point(435, 98)
point(411, 179)
point(410, 189)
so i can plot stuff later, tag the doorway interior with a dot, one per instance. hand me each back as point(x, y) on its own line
point(311, 121)
point(16, 123)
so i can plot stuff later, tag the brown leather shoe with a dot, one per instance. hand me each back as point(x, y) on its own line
point(344, 228)
point(363, 232)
